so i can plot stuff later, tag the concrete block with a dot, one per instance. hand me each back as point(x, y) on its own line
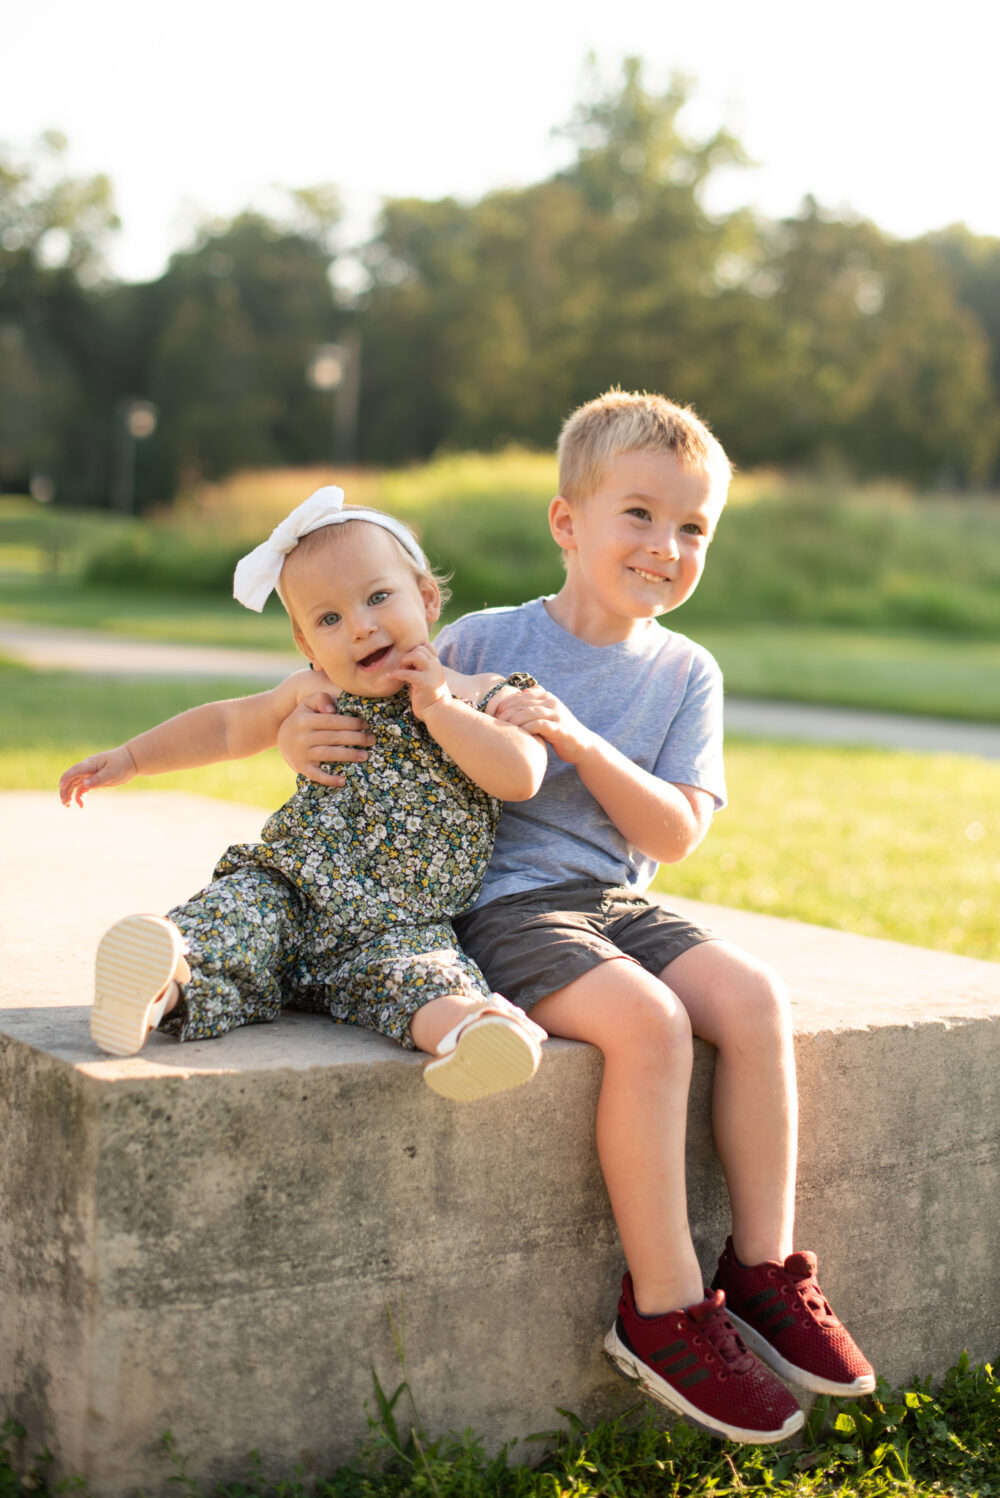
point(211, 1238)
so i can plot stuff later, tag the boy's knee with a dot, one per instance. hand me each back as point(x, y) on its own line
point(764, 1009)
point(647, 1013)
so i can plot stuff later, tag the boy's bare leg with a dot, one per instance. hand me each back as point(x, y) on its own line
point(740, 1006)
point(645, 1036)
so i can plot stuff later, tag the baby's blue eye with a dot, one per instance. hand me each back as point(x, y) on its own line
point(638, 512)
point(329, 619)
point(380, 596)
point(692, 528)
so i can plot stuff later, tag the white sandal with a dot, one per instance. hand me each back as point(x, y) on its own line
point(491, 1049)
point(137, 962)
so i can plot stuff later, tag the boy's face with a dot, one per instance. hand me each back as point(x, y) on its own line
point(357, 608)
point(636, 547)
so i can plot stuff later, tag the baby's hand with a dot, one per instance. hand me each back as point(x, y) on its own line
point(542, 714)
point(112, 767)
point(315, 734)
point(423, 673)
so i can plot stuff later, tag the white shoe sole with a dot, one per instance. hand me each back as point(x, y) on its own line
point(492, 1055)
point(800, 1376)
point(136, 960)
point(631, 1367)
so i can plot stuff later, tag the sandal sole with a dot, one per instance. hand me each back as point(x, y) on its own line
point(136, 960)
point(492, 1055)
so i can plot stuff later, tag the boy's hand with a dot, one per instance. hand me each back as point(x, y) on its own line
point(542, 714)
point(315, 734)
point(423, 673)
point(112, 767)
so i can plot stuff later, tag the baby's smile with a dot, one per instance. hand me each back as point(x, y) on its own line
point(368, 662)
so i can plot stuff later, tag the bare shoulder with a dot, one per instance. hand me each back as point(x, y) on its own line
point(300, 685)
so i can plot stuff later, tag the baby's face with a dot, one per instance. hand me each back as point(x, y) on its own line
point(357, 608)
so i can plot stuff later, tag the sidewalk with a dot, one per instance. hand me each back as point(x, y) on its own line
point(51, 649)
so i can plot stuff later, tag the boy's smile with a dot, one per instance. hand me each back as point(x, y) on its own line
point(357, 608)
point(636, 547)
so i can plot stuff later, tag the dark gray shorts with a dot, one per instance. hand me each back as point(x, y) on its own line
point(530, 944)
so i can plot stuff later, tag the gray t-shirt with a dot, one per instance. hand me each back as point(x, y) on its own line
point(656, 698)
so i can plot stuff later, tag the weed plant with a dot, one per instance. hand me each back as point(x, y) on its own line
point(919, 1442)
point(789, 550)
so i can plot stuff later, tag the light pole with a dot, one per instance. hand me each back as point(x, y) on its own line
point(336, 369)
point(136, 421)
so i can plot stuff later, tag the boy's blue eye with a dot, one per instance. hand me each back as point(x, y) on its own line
point(692, 528)
point(639, 512)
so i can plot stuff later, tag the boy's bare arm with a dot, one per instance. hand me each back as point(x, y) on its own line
point(500, 757)
point(216, 731)
point(314, 734)
point(663, 820)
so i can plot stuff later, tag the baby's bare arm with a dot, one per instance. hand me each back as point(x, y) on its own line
point(205, 735)
point(500, 757)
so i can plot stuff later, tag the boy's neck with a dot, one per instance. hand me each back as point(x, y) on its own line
point(580, 616)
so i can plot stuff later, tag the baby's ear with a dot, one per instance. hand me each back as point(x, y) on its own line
point(300, 641)
point(431, 595)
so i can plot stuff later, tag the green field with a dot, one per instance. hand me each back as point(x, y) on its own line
point(898, 845)
point(860, 597)
point(870, 598)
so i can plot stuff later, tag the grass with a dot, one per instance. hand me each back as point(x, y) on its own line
point(53, 719)
point(138, 613)
point(938, 675)
point(890, 844)
point(918, 1442)
point(788, 549)
point(860, 597)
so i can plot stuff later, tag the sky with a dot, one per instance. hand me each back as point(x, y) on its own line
point(200, 108)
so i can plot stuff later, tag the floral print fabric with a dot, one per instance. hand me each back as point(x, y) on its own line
point(345, 904)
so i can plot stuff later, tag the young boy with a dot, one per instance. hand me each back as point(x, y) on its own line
point(633, 716)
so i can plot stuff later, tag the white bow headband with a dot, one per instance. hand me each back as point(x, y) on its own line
point(259, 572)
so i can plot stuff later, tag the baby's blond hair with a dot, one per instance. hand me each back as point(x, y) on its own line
point(327, 535)
point(626, 421)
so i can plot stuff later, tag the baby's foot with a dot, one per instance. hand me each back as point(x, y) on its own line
point(492, 1049)
point(140, 962)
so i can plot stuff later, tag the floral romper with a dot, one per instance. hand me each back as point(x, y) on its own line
point(346, 904)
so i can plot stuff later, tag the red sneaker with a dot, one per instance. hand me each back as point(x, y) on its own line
point(782, 1314)
point(693, 1362)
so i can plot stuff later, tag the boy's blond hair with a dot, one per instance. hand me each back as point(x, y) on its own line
point(626, 421)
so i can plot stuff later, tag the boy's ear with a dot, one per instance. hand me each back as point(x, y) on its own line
point(561, 523)
point(431, 594)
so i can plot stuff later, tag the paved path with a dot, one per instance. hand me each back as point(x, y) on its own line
point(100, 653)
point(104, 654)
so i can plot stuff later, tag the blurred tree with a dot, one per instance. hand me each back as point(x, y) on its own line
point(55, 370)
point(230, 326)
point(973, 261)
point(876, 362)
point(511, 310)
point(482, 323)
